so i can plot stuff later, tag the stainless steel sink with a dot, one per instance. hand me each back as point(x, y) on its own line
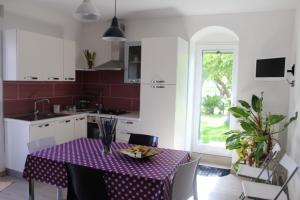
point(40, 116)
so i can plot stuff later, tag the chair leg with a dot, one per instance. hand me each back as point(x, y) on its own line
point(242, 196)
point(59, 194)
point(195, 191)
point(31, 189)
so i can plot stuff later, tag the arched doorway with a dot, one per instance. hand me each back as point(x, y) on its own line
point(213, 76)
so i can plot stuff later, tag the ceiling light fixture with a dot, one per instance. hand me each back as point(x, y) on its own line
point(87, 12)
point(114, 33)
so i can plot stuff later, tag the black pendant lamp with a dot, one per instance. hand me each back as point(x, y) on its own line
point(114, 33)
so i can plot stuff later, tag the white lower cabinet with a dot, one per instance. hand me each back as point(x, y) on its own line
point(18, 133)
point(80, 129)
point(38, 131)
point(125, 127)
point(122, 136)
point(64, 130)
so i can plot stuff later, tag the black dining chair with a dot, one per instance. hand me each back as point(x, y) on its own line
point(85, 183)
point(145, 140)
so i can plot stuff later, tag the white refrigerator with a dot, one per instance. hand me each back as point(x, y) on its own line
point(163, 103)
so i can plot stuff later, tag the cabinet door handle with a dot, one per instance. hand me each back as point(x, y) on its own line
point(53, 78)
point(158, 81)
point(69, 78)
point(127, 122)
point(158, 86)
point(67, 121)
point(82, 118)
point(31, 77)
point(43, 125)
point(124, 132)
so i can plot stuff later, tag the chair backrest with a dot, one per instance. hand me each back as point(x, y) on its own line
point(85, 183)
point(33, 146)
point(288, 164)
point(46, 142)
point(184, 180)
point(291, 168)
point(141, 139)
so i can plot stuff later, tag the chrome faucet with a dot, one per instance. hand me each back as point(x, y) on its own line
point(36, 111)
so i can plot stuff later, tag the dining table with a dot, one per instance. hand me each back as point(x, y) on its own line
point(125, 178)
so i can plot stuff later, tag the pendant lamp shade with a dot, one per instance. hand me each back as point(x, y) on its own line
point(87, 12)
point(114, 33)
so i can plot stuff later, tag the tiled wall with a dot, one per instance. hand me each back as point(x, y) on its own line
point(106, 87)
point(111, 90)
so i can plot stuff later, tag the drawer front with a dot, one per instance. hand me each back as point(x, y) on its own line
point(122, 136)
point(132, 126)
point(42, 130)
point(65, 130)
point(80, 128)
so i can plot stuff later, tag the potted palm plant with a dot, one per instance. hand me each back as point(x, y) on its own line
point(254, 141)
point(90, 57)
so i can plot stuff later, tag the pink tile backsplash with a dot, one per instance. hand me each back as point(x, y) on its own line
point(126, 91)
point(67, 89)
point(34, 90)
point(117, 103)
point(108, 86)
point(11, 91)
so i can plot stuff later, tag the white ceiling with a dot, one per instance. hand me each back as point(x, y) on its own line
point(158, 8)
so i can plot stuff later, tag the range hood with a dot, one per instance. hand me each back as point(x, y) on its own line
point(117, 58)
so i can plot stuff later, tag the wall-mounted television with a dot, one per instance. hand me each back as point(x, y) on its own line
point(270, 69)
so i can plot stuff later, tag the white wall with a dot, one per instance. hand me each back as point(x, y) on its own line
point(40, 19)
point(294, 130)
point(91, 38)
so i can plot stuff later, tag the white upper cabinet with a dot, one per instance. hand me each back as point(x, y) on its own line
point(69, 60)
point(20, 61)
point(35, 57)
point(159, 60)
point(52, 58)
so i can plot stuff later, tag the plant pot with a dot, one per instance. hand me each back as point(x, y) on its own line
point(90, 64)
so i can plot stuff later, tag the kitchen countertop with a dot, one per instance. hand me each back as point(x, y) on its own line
point(131, 115)
point(128, 116)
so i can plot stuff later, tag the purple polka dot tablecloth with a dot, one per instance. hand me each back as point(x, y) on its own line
point(126, 178)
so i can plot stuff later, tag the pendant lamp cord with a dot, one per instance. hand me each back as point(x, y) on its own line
point(115, 8)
